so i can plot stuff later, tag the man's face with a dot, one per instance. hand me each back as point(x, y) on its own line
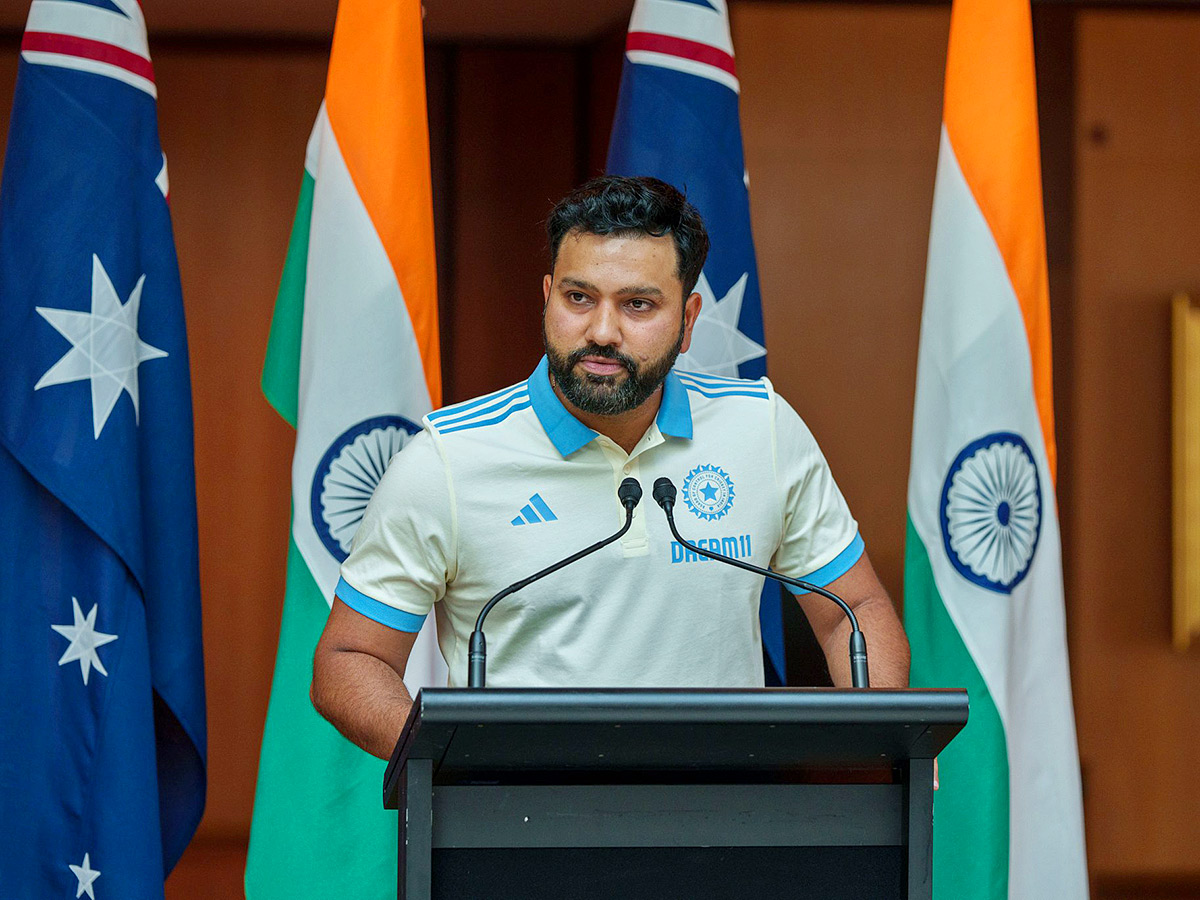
point(615, 319)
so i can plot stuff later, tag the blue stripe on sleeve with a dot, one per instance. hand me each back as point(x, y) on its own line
point(376, 611)
point(838, 566)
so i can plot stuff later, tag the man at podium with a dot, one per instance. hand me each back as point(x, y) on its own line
point(498, 487)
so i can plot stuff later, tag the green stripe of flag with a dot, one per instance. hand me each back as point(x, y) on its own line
point(281, 370)
point(970, 810)
point(319, 828)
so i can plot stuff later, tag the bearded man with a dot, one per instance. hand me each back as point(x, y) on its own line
point(498, 487)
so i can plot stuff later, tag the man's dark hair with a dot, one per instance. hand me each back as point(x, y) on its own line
point(623, 206)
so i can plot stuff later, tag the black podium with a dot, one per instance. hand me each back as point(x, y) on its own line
point(665, 794)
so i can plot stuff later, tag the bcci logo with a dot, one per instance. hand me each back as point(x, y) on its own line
point(708, 492)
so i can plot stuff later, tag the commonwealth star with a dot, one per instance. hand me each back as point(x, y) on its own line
point(85, 639)
point(105, 347)
point(718, 345)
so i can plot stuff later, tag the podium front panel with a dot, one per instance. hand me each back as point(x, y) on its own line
point(671, 873)
point(596, 794)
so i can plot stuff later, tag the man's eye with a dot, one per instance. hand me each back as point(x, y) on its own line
point(639, 304)
point(576, 297)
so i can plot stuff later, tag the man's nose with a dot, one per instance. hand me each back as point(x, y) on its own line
point(604, 327)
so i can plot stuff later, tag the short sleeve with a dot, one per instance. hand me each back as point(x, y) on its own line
point(403, 552)
point(820, 537)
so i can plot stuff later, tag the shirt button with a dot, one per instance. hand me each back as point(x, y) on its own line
point(628, 468)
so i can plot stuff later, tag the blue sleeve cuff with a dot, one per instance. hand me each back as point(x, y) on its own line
point(838, 566)
point(376, 611)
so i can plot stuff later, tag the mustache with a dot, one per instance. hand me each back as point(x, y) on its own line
point(604, 352)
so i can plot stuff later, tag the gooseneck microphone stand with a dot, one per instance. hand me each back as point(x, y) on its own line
point(629, 493)
point(664, 495)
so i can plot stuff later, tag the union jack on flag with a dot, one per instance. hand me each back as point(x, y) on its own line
point(105, 38)
point(695, 40)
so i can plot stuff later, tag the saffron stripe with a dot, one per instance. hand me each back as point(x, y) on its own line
point(674, 46)
point(70, 45)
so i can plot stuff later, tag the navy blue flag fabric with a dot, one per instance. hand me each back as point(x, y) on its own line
point(677, 119)
point(102, 726)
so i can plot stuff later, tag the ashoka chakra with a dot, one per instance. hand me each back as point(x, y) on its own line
point(991, 511)
point(347, 475)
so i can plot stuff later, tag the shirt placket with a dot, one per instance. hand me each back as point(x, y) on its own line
point(626, 465)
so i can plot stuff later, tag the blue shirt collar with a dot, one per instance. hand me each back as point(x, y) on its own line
point(568, 434)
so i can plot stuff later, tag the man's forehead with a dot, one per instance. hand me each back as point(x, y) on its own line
point(582, 253)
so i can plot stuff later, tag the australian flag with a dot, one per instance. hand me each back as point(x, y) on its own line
point(102, 729)
point(677, 119)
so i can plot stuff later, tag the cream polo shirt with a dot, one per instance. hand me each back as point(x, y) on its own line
point(499, 487)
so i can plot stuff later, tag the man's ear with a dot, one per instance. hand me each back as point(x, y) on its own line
point(547, 281)
point(691, 310)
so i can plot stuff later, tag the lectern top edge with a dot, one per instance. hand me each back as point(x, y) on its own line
point(601, 705)
point(898, 723)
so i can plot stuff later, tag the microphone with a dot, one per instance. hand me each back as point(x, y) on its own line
point(630, 494)
point(664, 495)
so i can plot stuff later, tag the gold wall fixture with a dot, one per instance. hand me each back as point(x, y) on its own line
point(1185, 454)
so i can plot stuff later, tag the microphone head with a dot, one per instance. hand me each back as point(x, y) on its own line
point(664, 492)
point(629, 493)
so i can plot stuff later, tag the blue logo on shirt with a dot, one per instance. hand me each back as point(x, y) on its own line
point(708, 492)
point(536, 510)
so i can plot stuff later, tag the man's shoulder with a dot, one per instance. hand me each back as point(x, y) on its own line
point(480, 412)
point(717, 387)
point(723, 398)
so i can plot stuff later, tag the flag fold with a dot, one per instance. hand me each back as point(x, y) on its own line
point(102, 732)
point(352, 363)
point(983, 595)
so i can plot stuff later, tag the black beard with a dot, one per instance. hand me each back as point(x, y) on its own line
point(604, 395)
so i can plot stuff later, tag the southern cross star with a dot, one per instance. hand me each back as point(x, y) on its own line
point(85, 639)
point(86, 875)
point(105, 347)
point(718, 347)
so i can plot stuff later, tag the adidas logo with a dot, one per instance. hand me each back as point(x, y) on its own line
point(535, 511)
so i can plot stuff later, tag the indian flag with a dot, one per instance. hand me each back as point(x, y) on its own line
point(983, 596)
point(352, 363)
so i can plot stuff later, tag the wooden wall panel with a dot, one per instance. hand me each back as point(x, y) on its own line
point(1137, 234)
point(515, 144)
point(841, 111)
point(234, 123)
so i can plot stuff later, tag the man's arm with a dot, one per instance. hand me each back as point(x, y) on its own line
point(358, 679)
point(887, 646)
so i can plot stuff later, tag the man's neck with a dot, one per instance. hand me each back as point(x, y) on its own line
point(625, 429)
